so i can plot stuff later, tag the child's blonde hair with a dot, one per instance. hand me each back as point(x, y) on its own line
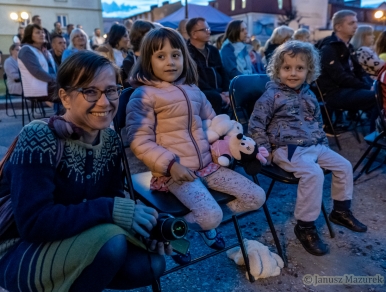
point(153, 41)
point(280, 35)
point(301, 33)
point(294, 48)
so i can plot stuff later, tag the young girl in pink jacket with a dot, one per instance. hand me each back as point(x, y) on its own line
point(164, 126)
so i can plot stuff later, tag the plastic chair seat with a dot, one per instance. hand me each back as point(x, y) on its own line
point(166, 202)
point(371, 137)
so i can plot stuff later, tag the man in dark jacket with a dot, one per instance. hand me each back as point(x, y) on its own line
point(212, 79)
point(343, 82)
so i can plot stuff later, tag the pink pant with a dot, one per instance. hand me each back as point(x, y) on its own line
point(205, 213)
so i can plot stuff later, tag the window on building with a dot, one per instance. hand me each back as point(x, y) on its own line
point(233, 4)
point(243, 3)
point(280, 4)
point(63, 20)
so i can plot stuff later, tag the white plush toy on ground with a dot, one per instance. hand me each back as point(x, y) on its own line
point(262, 261)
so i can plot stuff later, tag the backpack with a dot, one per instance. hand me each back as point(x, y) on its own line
point(6, 213)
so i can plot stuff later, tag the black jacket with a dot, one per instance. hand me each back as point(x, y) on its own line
point(336, 72)
point(211, 73)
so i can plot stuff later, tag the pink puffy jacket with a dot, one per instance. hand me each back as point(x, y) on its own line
point(164, 122)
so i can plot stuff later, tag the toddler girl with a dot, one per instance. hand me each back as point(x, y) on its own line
point(164, 127)
point(287, 120)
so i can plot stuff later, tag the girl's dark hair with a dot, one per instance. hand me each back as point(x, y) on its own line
point(27, 38)
point(138, 30)
point(153, 41)
point(117, 31)
point(380, 44)
point(79, 70)
point(233, 30)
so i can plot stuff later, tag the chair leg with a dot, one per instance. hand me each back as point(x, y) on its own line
point(368, 163)
point(243, 249)
point(156, 286)
point(13, 109)
point(330, 229)
point(371, 161)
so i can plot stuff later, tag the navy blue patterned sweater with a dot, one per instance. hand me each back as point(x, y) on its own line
point(52, 203)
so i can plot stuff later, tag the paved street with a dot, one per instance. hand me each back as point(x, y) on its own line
point(350, 253)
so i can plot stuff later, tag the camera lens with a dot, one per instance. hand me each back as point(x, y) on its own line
point(179, 228)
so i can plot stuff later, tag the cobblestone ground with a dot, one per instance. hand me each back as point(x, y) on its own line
point(350, 253)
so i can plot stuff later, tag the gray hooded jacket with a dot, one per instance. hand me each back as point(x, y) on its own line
point(283, 116)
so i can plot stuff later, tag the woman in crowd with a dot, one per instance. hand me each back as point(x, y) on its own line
point(139, 29)
point(36, 65)
point(74, 228)
point(362, 41)
point(12, 70)
point(380, 46)
point(117, 44)
point(78, 42)
point(234, 54)
point(256, 57)
point(279, 36)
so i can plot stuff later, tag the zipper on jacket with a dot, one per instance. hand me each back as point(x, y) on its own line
point(190, 121)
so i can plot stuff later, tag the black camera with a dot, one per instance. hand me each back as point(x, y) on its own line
point(169, 228)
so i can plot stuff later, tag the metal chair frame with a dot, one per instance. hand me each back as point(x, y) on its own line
point(250, 93)
point(8, 96)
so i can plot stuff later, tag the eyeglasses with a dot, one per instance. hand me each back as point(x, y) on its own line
point(94, 94)
point(206, 29)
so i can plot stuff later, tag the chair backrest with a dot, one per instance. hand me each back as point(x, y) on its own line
point(244, 90)
point(123, 101)
point(378, 95)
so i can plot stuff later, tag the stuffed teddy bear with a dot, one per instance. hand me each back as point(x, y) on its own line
point(262, 261)
point(219, 127)
point(241, 148)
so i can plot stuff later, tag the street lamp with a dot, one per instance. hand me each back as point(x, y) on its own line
point(19, 17)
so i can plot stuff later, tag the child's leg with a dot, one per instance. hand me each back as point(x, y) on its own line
point(310, 189)
point(206, 213)
point(249, 196)
point(342, 176)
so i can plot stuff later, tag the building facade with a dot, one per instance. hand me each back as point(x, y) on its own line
point(157, 13)
point(87, 13)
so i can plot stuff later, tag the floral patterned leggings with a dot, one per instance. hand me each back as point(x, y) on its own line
point(205, 213)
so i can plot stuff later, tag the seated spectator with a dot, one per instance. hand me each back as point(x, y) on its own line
point(382, 79)
point(11, 68)
point(37, 20)
point(58, 44)
point(182, 29)
point(380, 46)
point(78, 42)
point(234, 54)
point(343, 81)
point(212, 78)
point(279, 36)
point(362, 42)
point(97, 39)
point(66, 35)
point(117, 44)
point(20, 34)
point(138, 30)
point(287, 121)
point(256, 57)
point(219, 41)
point(302, 34)
point(36, 65)
point(70, 207)
point(57, 29)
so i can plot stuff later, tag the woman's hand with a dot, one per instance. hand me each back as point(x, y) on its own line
point(145, 218)
point(225, 99)
point(161, 247)
point(180, 173)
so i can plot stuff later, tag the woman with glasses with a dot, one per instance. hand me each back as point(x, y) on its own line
point(234, 53)
point(78, 42)
point(73, 228)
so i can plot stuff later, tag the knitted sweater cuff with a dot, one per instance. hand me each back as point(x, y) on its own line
point(123, 212)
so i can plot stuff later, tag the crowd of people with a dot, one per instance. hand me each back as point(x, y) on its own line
point(63, 175)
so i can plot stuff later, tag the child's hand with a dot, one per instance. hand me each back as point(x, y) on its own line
point(180, 173)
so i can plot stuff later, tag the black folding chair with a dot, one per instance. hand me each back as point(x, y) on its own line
point(8, 96)
point(138, 185)
point(244, 91)
point(375, 140)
